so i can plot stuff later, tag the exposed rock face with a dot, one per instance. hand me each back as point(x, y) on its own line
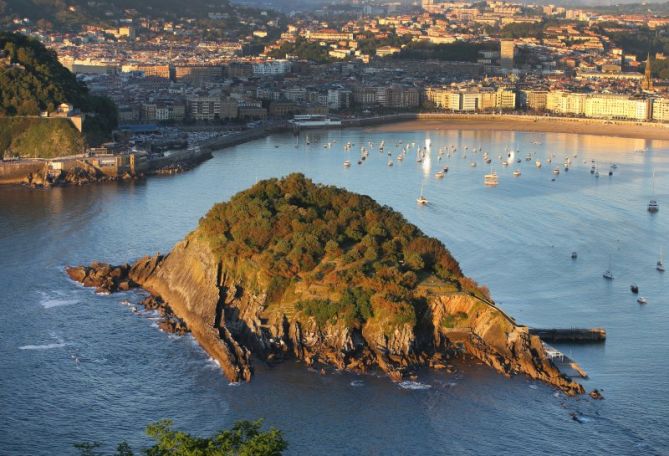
point(231, 323)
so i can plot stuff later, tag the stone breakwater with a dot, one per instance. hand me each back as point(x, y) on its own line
point(233, 325)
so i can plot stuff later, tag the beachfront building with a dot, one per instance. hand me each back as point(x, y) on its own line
point(471, 100)
point(505, 99)
point(598, 105)
point(566, 103)
point(610, 106)
point(660, 109)
point(533, 100)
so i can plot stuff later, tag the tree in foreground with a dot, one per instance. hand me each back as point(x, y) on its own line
point(244, 439)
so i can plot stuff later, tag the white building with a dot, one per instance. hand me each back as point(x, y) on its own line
point(271, 68)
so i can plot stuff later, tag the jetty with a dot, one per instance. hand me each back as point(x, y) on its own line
point(573, 335)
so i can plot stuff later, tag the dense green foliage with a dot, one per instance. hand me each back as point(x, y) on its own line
point(366, 259)
point(36, 137)
point(83, 11)
point(455, 52)
point(353, 307)
point(35, 81)
point(369, 43)
point(244, 439)
point(522, 30)
point(303, 49)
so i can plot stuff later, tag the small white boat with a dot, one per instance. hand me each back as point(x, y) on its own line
point(347, 163)
point(660, 262)
point(390, 163)
point(422, 201)
point(490, 180)
point(556, 171)
point(642, 300)
point(439, 174)
point(608, 275)
point(537, 164)
point(473, 164)
point(516, 173)
point(653, 206)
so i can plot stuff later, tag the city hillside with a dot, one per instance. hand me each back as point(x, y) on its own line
point(32, 82)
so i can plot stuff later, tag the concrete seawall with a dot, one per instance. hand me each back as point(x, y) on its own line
point(575, 335)
point(16, 172)
point(235, 139)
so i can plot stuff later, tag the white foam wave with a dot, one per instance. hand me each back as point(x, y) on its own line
point(50, 300)
point(235, 384)
point(357, 383)
point(43, 347)
point(414, 385)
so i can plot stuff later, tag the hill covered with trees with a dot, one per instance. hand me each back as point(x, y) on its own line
point(32, 80)
point(366, 259)
point(294, 269)
point(74, 13)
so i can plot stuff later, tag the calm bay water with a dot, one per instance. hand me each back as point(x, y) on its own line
point(76, 366)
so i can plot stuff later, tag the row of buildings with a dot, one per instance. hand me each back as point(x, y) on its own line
point(590, 105)
point(192, 73)
point(214, 105)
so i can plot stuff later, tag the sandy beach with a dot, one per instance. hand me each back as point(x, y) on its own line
point(530, 124)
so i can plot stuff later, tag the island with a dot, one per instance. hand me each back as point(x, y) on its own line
point(292, 269)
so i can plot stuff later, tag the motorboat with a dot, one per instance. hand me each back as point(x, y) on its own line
point(516, 173)
point(422, 201)
point(634, 288)
point(608, 275)
point(642, 300)
point(653, 206)
point(347, 163)
point(574, 255)
point(490, 180)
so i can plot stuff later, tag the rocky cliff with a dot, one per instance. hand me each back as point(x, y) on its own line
point(234, 310)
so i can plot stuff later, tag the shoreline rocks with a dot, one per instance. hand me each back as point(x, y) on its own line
point(193, 292)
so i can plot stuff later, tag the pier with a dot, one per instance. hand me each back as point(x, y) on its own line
point(574, 335)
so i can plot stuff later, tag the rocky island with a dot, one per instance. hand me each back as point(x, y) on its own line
point(293, 269)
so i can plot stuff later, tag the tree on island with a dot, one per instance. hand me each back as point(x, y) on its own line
point(245, 438)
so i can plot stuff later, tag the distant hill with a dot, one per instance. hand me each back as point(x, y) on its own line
point(77, 12)
point(32, 80)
